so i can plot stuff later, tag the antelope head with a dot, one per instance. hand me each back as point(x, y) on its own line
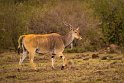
point(75, 32)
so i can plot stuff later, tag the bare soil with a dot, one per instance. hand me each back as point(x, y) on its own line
point(81, 68)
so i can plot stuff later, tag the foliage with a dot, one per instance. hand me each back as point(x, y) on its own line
point(100, 21)
point(112, 16)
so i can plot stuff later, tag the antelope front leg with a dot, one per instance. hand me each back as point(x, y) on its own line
point(64, 61)
point(31, 56)
point(53, 61)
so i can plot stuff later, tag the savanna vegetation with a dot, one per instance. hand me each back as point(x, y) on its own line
point(100, 21)
point(81, 68)
point(97, 58)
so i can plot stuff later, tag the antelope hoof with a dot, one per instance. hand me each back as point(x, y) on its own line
point(62, 67)
point(35, 69)
point(18, 69)
point(53, 68)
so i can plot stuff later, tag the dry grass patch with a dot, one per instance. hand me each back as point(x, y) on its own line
point(79, 69)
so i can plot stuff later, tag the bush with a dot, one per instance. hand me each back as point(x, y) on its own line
point(101, 22)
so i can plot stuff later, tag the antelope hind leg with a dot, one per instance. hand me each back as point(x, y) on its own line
point(31, 57)
point(64, 61)
point(24, 55)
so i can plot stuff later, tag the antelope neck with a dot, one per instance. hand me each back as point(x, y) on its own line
point(68, 38)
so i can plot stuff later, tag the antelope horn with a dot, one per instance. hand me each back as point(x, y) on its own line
point(67, 24)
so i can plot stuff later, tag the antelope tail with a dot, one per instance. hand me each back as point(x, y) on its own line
point(20, 44)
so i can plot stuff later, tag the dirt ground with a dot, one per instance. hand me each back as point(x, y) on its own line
point(81, 68)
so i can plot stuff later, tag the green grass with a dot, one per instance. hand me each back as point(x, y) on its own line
point(78, 69)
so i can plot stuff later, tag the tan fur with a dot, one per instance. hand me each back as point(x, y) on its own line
point(53, 44)
point(46, 43)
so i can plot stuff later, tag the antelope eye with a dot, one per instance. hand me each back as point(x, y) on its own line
point(75, 32)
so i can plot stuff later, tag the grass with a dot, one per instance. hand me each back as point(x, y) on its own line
point(78, 70)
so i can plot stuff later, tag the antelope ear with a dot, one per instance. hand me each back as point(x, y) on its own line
point(77, 28)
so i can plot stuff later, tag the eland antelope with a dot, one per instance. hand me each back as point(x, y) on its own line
point(53, 43)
